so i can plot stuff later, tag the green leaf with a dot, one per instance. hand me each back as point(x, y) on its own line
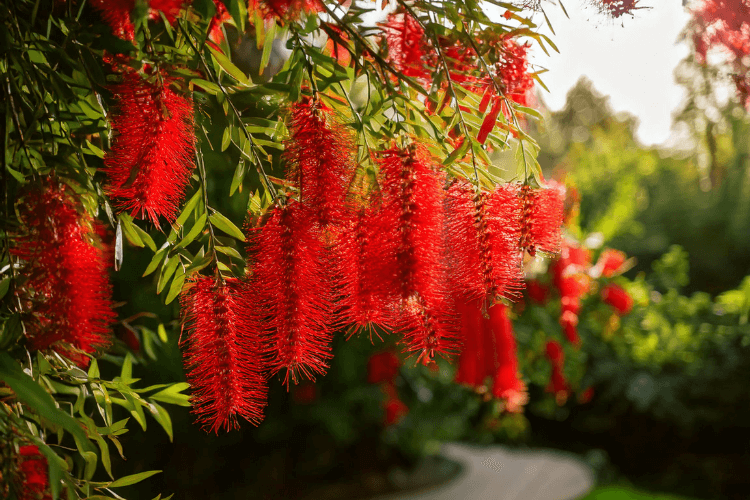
point(189, 206)
point(229, 66)
point(132, 479)
point(173, 395)
point(94, 370)
point(4, 286)
point(221, 222)
point(162, 417)
point(129, 229)
point(127, 368)
point(239, 175)
point(145, 237)
point(267, 47)
point(167, 272)
point(226, 139)
point(32, 394)
point(162, 332)
point(176, 287)
point(156, 260)
point(194, 231)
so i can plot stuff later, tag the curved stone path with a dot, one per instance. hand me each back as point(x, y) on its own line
point(499, 473)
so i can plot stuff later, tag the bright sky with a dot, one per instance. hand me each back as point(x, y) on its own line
point(632, 60)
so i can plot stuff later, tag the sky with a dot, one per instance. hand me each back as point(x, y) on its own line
point(632, 60)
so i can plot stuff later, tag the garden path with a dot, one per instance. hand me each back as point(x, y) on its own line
point(499, 473)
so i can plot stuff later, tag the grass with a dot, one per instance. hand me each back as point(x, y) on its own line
point(628, 493)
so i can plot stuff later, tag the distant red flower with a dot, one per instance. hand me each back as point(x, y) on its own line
point(151, 160)
point(558, 385)
point(537, 292)
point(586, 396)
point(223, 357)
point(382, 367)
point(406, 44)
point(67, 289)
point(395, 409)
point(319, 156)
point(414, 266)
point(294, 292)
point(34, 481)
point(305, 393)
point(570, 304)
point(541, 218)
point(610, 262)
point(569, 323)
point(554, 353)
point(617, 297)
point(483, 231)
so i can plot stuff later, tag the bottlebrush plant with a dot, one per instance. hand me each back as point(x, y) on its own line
point(361, 176)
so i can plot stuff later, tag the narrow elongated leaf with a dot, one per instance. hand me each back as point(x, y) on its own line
point(35, 397)
point(132, 479)
point(221, 222)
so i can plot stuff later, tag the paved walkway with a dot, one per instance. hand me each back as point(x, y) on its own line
point(498, 473)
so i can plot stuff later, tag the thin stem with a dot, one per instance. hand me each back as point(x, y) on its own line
point(502, 95)
point(212, 236)
point(256, 158)
point(436, 44)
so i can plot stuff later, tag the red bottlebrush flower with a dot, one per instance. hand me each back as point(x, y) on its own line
point(569, 323)
point(223, 353)
point(617, 297)
point(507, 384)
point(151, 160)
point(616, 8)
point(514, 73)
point(725, 25)
point(406, 44)
point(214, 26)
point(363, 296)
point(295, 293)
point(319, 159)
point(67, 287)
point(170, 8)
point(610, 262)
point(382, 367)
point(541, 218)
point(473, 365)
point(116, 13)
point(284, 10)
point(537, 292)
point(414, 269)
point(483, 231)
point(32, 468)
